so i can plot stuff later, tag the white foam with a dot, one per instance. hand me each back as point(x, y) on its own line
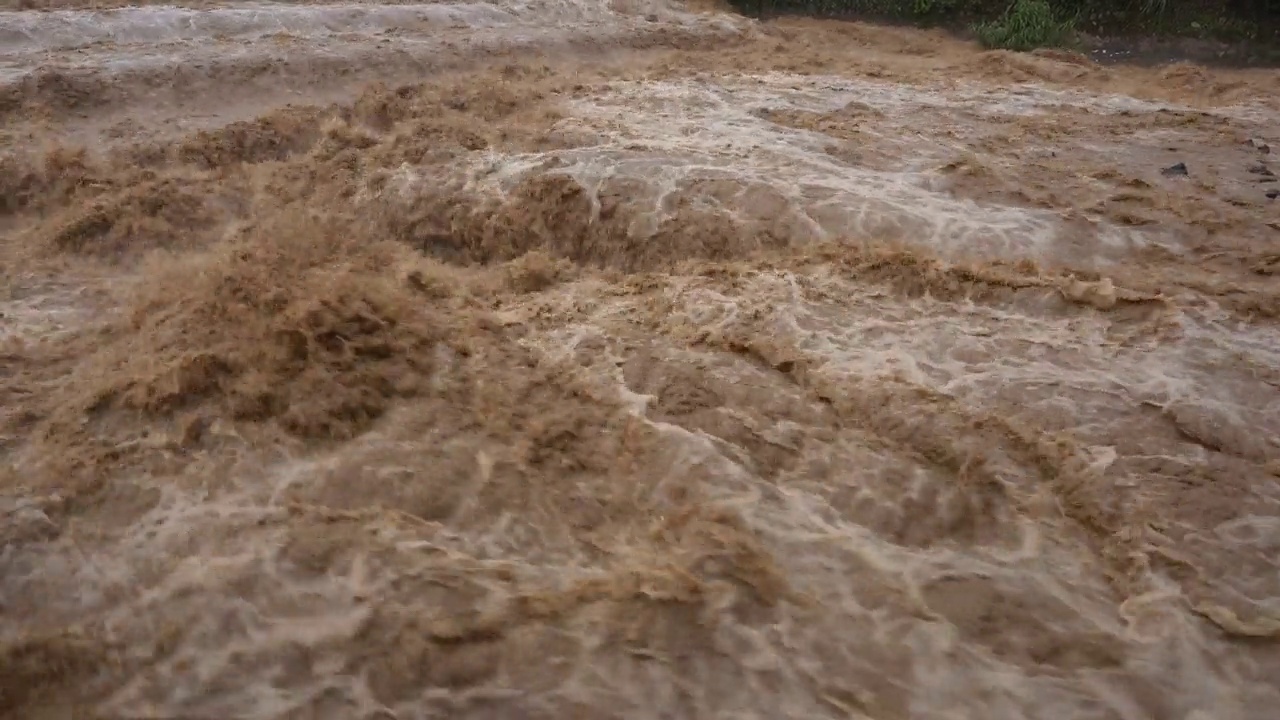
point(678, 136)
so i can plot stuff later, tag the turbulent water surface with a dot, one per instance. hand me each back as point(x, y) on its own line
point(585, 359)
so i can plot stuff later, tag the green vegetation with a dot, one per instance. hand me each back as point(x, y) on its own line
point(1026, 25)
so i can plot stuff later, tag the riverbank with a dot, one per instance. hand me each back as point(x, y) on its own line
point(1206, 33)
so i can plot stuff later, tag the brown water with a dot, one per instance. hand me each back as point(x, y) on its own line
point(587, 360)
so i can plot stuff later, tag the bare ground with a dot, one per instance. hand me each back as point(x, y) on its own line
point(587, 360)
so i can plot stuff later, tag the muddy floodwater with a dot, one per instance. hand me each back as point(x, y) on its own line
point(634, 359)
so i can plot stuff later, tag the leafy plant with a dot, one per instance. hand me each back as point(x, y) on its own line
point(931, 7)
point(1026, 25)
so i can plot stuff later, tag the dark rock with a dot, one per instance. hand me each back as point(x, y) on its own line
point(1175, 170)
point(1262, 170)
point(1273, 194)
point(1260, 145)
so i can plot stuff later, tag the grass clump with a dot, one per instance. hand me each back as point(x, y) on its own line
point(1026, 25)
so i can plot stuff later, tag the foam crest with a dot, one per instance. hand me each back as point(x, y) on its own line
point(715, 146)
